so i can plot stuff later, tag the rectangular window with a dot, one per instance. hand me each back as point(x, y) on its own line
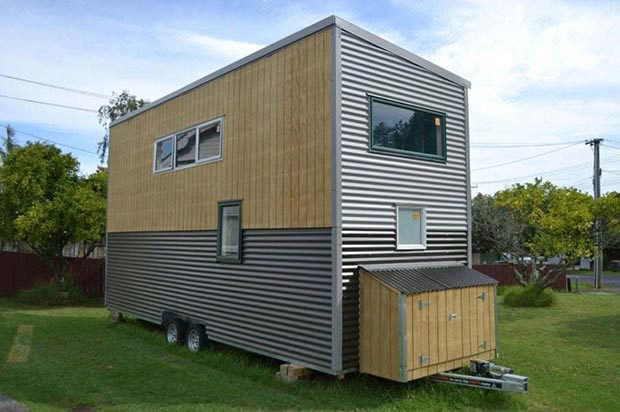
point(209, 141)
point(229, 235)
point(410, 227)
point(407, 130)
point(163, 154)
point(198, 144)
point(186, 148)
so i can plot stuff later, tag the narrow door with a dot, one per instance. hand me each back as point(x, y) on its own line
point(455, 324)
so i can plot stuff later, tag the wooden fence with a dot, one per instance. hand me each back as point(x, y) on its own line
point(503, 274)
point(19, 271)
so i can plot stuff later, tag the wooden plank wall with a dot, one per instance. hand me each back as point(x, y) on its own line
point(449, 343)
point(276, 149)
point(379, 329)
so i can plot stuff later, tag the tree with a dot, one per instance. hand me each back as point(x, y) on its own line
point(118, 106)
point(494, 229)
point(46, 205)
point(8, 143)
point(607, 208)
point(555, 222)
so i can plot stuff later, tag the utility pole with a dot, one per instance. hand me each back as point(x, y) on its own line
point(596, 181)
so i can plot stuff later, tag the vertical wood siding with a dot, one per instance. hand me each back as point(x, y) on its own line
point(445, 343)
point(276, 149)
point(373, 183)
point(450, 343)
point(380, 330)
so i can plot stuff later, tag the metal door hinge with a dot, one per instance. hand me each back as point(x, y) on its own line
point(483, 296)
point(422, 304)
point(453, 315)
point(424, 359)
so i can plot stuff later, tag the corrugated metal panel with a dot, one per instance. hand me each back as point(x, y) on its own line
point(418, 278)
point(373, 183)
point(277, 303)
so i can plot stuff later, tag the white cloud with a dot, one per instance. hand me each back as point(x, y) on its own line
point(540, 71)
point(222, 48)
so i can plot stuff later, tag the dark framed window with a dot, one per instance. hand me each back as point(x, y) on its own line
point(406, 130)
point(229, 233)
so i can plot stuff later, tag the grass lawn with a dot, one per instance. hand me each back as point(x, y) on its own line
point(571, 352)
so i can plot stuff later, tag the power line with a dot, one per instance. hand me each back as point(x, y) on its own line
point(66, 89)
point(558, 171)
point(510, 145)
point(612, 146)
point(49, 104)
point(49, 140)
point(546, 172)
point(526, 158)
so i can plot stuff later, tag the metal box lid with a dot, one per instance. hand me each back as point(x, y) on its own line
point(418, 278)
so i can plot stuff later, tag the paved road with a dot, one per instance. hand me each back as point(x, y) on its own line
point(609, 281)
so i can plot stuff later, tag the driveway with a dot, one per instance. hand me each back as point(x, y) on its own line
point(611, 283)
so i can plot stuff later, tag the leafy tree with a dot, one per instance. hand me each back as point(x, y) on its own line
point(8, 143)
point(118, 106)
point(46, 205)
point(494, 229)
point(554, 222)
point(607, 208)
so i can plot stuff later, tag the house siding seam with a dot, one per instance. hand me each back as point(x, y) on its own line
point(373, 183)
point(276, 303)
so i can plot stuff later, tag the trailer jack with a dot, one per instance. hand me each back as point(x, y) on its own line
point(486, 375)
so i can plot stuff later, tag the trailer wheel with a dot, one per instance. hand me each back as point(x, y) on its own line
point(196, 338)
point(175, 331)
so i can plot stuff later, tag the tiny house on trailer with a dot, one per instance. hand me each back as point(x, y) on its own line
point(247, 204)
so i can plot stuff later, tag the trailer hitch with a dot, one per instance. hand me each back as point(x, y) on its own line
point(486, 375)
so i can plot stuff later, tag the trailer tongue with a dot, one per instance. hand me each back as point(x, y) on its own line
point(486, 375)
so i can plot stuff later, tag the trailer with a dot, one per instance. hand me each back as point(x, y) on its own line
point(245, 208)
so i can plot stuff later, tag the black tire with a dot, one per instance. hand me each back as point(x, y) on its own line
point(196, 338)
point(175, 331)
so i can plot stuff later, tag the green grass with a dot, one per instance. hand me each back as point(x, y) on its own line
point(570, 352)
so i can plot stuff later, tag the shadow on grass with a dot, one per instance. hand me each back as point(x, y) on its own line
point(601, 331)
point(93, 361)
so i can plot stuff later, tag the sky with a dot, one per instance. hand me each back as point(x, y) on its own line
point(542, 72)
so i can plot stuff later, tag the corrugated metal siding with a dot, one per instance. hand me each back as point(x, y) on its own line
point(373, 183)
point(278, 302)
point(413, 278)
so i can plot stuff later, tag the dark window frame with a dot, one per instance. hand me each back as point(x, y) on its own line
point(220, 208)
point(406, 153)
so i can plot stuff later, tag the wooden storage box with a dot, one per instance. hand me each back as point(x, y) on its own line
point(417, 321)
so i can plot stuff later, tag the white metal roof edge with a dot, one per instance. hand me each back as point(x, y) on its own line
point(318, 26)
point(399, 51)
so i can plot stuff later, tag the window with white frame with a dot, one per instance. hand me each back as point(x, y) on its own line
point(164, 149)
point(410, 227)
point(185, 149)
point(209, 141)
point(189, 147)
